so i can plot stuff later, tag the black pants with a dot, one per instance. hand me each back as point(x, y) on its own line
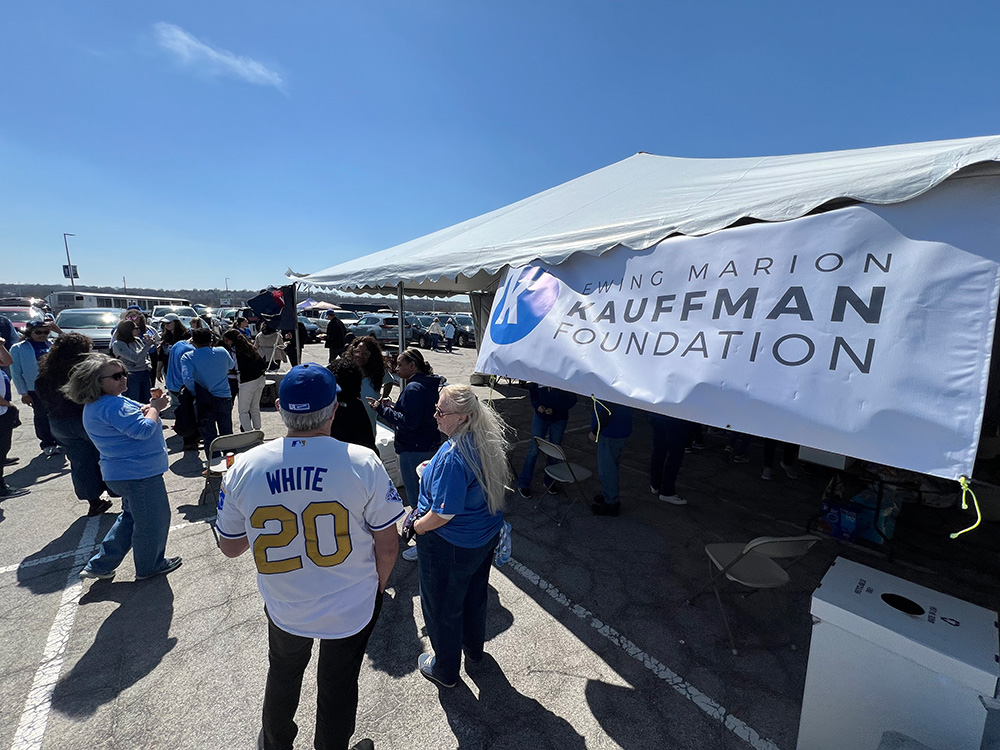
point(215, 418)
point(337, 685)
point(8, 421)
point(41, 419)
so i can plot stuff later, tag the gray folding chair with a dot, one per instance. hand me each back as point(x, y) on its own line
point(216, 467)
point(753, 565)
point(563, 472)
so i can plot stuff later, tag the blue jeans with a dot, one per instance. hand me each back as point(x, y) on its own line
point(609, 450)
point(453, 587)
point(434, 341)
point(542, 428)
point(84, 458)
point(215, 422)
point(408, 463)
point(138, 386)
point(141, 526)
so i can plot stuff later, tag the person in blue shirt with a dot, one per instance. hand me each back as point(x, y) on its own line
point(205, 372)
point(34, 345)
point(550, 408)
point(610, 427)
point(412, 416)
point(129, 437)
point(462, 492)
point(175, 343)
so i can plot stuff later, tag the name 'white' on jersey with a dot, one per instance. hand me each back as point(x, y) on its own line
point(308, 507)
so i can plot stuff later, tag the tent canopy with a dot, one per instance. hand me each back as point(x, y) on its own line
point(643, 199)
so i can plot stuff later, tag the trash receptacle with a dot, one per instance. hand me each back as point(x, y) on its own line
point(890, 655)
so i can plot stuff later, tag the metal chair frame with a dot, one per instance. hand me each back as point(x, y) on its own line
point(764, 550)
point(577, 474)
point(216, 467)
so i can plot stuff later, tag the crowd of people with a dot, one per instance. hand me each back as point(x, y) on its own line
point(324, 553)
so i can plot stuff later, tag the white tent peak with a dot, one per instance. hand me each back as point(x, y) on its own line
point(645, 198)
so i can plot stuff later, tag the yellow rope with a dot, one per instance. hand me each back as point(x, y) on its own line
point(597, 433)
point(493, 382)
point(965, 506)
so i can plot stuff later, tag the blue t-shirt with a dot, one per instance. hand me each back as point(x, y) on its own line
point(209, 367)
point(131, 446)
point(177, 350)
point(449, 487)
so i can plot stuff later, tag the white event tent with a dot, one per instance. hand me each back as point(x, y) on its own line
point(792, 296)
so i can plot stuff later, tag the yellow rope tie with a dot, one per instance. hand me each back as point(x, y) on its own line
point(966, 489)
point(493, 382)
point(597, 414)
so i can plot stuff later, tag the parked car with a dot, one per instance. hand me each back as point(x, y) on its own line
point(419, 325)
point(96, 323)
point(230, 314)
point(312, 330)
point(383, 326)
point(465, 333)
point(19, 316)
point(184, 312)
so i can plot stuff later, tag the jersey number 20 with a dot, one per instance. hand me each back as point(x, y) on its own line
point(290, 529)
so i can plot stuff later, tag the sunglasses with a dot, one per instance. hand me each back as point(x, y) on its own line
point(439, 413)
point(120, 375)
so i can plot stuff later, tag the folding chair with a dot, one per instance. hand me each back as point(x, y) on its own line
point(564, 472)
point(753, 565)
point(216, 467)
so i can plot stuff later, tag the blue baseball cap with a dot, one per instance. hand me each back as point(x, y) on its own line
point(306, 388)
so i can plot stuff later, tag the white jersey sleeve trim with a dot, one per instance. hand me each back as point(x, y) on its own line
point(387, 525)
point(230, 536)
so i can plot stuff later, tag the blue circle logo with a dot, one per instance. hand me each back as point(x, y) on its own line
point(527, 299)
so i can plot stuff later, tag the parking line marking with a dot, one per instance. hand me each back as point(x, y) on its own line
point(81, 549)
point(712, 708)
point(31, 727)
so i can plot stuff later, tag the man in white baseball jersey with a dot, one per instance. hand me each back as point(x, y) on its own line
point(320, 517)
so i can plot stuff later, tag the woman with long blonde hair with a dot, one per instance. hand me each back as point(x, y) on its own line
point(462, 496)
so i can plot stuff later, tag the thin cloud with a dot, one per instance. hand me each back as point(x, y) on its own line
point(193, 53)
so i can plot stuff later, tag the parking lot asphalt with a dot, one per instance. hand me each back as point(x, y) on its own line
point(590, 641)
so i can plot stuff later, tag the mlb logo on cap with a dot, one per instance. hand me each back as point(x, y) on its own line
point(306, 388)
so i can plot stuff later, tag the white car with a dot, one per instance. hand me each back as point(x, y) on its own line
point(185, 313)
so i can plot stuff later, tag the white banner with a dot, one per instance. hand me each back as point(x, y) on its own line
point(864, 331)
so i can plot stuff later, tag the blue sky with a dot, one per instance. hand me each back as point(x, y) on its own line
point(187, 142)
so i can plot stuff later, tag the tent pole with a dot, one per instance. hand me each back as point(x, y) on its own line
point(402, 317)
point(295, 307)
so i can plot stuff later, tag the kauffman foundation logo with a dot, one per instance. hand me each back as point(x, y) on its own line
point(527, 299)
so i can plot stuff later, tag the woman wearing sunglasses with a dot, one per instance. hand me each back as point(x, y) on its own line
point(462, 493)
point(129, 437)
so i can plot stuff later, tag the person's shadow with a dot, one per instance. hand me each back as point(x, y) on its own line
point(502, 717)
point(49, 577)
point(128, 646)
point(395, 643)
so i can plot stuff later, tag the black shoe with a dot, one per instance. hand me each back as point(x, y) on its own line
point(10, 461)
point(98, 507)
point(173, 563)
point(524, 491)
point(604, 509)
point(552, 489)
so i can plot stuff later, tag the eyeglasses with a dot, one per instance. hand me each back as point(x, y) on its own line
point(439, 413)
point(120, 375)
point(36, 331)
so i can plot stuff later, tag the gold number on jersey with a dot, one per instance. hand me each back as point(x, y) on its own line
point(282, 538)
point(290, 529)
point(340, 527)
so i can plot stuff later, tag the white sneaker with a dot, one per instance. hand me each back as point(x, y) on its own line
point(766, 474)
point(673, 500)
point(51, 450)
point(410, 553)
point(654, 490)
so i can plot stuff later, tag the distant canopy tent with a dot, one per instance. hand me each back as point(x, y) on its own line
point(576, 245)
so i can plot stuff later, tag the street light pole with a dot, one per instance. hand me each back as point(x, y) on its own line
point(68, 261)
point(227, 283)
